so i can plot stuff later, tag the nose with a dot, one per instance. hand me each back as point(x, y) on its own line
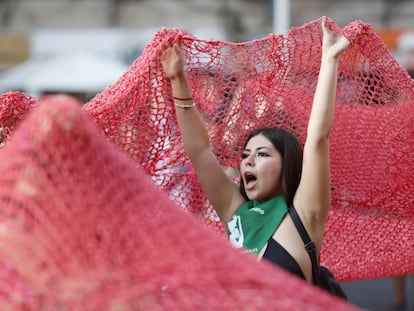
point(249, 160)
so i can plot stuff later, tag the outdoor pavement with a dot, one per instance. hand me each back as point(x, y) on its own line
point(376, 295)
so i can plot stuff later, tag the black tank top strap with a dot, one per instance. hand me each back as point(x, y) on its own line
point(309, 245)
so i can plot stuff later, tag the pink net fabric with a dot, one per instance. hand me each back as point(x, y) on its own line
point(13, 108)
point(238, 87)
point(83, 227)
point(66, 193)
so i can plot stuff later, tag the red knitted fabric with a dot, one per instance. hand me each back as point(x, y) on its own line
point(82, 227)
point(238, 87)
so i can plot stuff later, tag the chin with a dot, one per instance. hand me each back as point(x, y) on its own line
point(256, 197)
point(261, 198)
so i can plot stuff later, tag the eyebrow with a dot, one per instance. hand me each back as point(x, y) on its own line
point(258, 148)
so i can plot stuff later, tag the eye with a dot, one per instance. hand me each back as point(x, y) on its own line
point(244, 155)
point(262, 154)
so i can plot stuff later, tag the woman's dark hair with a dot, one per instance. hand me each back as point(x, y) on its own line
point(291, 152)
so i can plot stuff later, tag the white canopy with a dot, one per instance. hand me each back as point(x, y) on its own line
point(76, 72)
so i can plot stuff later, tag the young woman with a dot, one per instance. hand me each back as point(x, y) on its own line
point(274, 174)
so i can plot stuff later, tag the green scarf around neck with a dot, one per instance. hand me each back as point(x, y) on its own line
point(254, 223)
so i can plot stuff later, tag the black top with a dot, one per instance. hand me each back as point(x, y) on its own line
point(277, 254)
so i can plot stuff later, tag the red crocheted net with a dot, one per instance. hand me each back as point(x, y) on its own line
point(82, 208)
point(238, 87)
point(13, 108)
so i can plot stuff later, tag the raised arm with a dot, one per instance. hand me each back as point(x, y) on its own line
point(312, 198)
point(222, 193)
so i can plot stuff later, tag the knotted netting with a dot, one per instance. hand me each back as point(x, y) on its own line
point(271, 82)
point(238, 87)
point(13, 108)
point(83, 227)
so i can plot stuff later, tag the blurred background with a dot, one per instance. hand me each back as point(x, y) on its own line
point(79, 47)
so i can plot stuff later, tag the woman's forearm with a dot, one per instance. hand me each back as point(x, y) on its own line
point(191, 125)
point(322, 113)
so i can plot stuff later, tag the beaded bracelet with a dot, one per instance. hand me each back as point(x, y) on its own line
point(183, 107)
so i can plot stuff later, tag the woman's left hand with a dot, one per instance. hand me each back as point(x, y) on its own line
point(333, 44)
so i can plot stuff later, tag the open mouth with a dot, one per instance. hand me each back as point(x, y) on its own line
point(249, 179)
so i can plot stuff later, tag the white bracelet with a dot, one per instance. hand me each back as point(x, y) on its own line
point(184, 106)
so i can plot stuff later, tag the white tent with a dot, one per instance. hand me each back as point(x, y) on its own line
point(81, 60)
point(404, 53)
point(78, 72)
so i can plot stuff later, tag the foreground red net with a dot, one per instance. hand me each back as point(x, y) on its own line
point(237, 87)
point(83, 228)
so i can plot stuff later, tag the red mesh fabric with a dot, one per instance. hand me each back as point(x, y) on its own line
point(271, 81)
point(82, 227)
point(13, 108)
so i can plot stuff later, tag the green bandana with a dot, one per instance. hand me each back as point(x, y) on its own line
point(254, 223)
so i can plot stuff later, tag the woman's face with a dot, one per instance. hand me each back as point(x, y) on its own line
point(260, 169)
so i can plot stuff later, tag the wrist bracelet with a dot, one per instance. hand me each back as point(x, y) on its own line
point(183, 107)
point(184, 99)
